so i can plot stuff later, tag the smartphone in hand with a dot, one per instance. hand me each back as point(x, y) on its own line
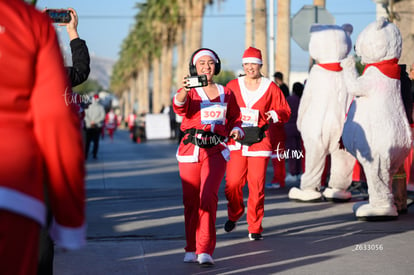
point(59, 15)
point(197, 81)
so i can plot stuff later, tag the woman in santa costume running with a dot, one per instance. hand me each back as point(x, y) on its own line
point(210, 116)
point(261, 102)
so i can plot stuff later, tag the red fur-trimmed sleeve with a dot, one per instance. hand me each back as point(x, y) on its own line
point(279, 104)
point(57, 131)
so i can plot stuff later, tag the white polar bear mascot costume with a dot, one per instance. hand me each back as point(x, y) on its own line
point(376, 130)
point(321, 116)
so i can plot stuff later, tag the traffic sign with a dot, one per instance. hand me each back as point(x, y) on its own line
point(303, 20)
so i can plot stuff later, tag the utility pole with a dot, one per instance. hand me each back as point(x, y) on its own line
point(271, 35)
point(320, 3)
point(261, 32)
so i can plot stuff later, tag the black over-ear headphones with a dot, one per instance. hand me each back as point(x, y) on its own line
point(192, 67)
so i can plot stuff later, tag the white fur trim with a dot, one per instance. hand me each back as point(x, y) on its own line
point(253, 60)
point(225, 152)
point(68, 237)
point(204, 53)
point(277, 156)
point(240, 131)
point(247, 153)
point(189, 158)
point(250, 101)
point(201, 93)
point(23, 204)
point(179, 103)
point(236, 146)
point(274, 115)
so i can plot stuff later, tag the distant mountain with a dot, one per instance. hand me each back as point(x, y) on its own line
point(101, 70)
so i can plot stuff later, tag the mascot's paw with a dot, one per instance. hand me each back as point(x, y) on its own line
point(337, 195)
point(304, 195)
point(366, 212)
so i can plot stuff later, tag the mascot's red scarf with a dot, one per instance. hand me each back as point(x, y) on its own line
point(389, 68)
point(336, 67)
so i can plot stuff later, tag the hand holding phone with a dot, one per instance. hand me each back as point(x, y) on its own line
point(59, 15)
point(196, 81)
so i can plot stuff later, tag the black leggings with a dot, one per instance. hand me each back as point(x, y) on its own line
point(92, 135)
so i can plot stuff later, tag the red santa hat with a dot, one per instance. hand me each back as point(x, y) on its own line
point(252, 55)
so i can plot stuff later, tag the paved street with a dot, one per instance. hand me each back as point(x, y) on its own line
point(136, 226)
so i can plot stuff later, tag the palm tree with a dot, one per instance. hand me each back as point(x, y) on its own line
point(124, 74)
point(282, 58)
point(256, 28)
point(170, 18)
point(160, 17)
point(260, 27)
point(180, 68)
point(147, 51)
point(249, 41)
point(194, 12)
point(402, 16)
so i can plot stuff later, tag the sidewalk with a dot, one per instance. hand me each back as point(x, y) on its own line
point(136, 226)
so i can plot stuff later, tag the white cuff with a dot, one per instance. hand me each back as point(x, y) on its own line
point(179, 103)
point(274, 115)
point(68, 237)
point(240, 131)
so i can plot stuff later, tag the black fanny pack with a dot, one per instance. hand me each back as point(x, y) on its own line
point(253, 134)
point(202, 139)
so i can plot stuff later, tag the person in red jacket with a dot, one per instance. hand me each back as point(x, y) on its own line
point(111, 123)
point(77, 73)
point(278, 140)
point(41, 146)
point(261, 102)
point(210, 116)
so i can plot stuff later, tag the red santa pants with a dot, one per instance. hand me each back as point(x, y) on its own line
point(241, 169)
point(358, 173)
point(19, 240)
point(111, 132)
point(201, 182)
point(279, 171)
point(408, 166)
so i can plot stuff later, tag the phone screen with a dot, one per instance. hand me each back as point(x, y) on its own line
point(59, 15)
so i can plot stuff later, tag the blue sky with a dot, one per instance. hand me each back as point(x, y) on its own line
point(105, 23)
